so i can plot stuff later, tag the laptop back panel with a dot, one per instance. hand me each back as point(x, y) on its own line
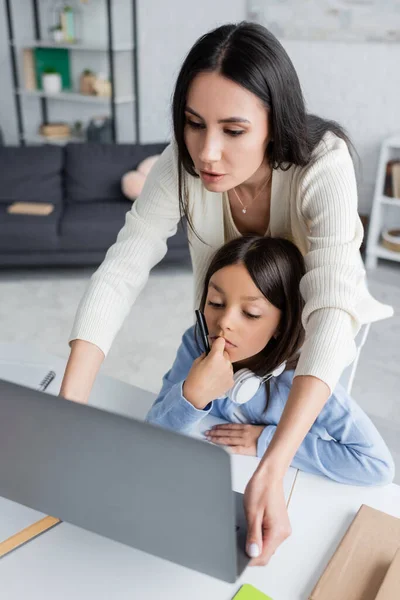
point(153, 489)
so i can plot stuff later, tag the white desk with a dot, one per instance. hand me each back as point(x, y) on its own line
point(70, 562)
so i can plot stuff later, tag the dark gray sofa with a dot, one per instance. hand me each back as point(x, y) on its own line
point(83, 182)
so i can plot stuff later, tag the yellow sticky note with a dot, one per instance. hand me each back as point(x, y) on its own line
point(248, 592)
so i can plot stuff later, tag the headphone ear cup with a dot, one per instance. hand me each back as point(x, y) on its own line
point(245, 387)
point(279, 370)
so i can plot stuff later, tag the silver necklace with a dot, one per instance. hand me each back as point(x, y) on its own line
point(244, 208)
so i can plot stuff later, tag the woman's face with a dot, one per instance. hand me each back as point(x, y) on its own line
point(237, 311)
point(226, 132)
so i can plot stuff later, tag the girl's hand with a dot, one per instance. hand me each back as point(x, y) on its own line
point(242, 439)
point(210, 376)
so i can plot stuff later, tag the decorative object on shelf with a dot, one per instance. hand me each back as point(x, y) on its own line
point(101, 86)
point(56, 59)
point(28, 62)
point(100, 130)
point(396, 179)
point(132, 182)
point(392, 179)
point(57, 33)
point(86, 82)
point(39, 209)
point(51, 81)
point(68, 21)
point(55, 130)
point(391, 239)
point(78, 130)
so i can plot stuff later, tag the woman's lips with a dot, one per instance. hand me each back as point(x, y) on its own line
point(211, 177)
point(228, 344)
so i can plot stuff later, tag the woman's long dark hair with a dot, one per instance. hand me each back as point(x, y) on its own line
point(276, 266)
point(248, 54)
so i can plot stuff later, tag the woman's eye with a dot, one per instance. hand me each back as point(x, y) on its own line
point(231, 132)
point(214, 304)
point(234, 132)
point(251, 316)
point(194, 125)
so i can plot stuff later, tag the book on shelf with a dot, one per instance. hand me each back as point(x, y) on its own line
point(29, 70)
point(392, 179)
point(396, 179)
point(54, 58)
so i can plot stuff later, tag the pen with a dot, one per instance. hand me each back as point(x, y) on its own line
point(46, 381)
point(201, 322)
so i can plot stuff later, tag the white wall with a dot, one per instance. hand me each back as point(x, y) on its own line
point(167, 30)
point(357, 84)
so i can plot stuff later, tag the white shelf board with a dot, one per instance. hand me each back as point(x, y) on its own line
point(391, 201)
point(41, 139)
point(76, 97)
point(382, 252)
point(78, 46)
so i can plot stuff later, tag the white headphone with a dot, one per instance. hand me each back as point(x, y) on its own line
point(248, 383)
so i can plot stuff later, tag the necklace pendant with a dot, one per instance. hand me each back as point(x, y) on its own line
point(244, 211)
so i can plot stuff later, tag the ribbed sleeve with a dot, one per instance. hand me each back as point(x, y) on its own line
point(328, 205)
point(140, 245)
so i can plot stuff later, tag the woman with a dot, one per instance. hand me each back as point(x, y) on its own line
point(246, 158)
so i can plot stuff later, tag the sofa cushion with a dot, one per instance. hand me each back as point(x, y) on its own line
point(93, 172)
point(20, 233)
point(92, 226)
point(31, 174)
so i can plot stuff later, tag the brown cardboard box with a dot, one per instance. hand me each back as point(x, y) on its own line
point(362, 559)
point(390, 588)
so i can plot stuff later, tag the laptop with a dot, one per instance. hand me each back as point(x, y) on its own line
point(153, 489)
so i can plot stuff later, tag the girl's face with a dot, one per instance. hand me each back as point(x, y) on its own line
point(226, 132)
point(237, 311)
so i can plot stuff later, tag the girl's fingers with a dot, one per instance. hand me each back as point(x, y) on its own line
point(226, 441)
point(227, 426)
point(224, 433)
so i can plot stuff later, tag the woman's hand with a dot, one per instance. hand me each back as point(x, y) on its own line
point(242, 439)
point(210, 376)
point(268, 522)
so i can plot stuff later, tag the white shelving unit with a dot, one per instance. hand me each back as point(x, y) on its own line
point(71, 96)
point(101, 48)
point(75, 46)
point(390, 150)
point(59, 141)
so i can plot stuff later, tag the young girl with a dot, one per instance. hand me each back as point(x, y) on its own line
point(252, 305)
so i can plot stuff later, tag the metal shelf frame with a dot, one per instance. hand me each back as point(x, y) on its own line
point(109, 49)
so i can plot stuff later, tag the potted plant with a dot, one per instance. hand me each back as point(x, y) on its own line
point(51, 81)
point(86, 82)
point(57, 33)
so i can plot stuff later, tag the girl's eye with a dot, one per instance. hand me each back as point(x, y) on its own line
point(214, 304)
point(250, 316)
point(231, 132)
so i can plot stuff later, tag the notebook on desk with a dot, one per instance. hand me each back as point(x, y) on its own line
point(156, 490)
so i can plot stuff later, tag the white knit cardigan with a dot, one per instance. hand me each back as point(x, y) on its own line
point(314, 206)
